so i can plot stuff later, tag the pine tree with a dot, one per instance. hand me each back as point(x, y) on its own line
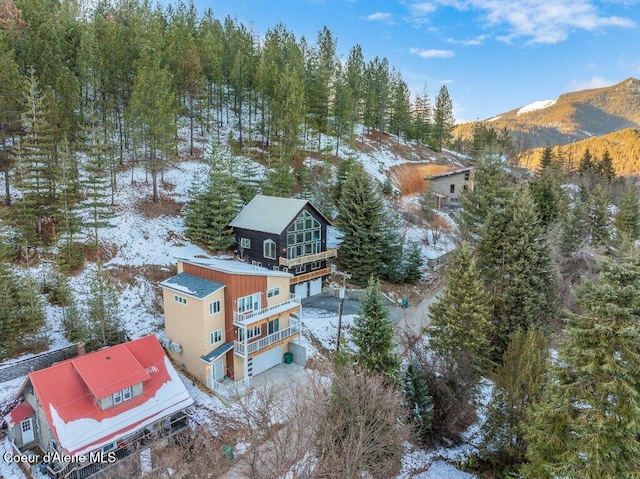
point(279, 179)
point(10, 92)
point(587, 426)
point(514, 256)
point(413, 263)
point(98, 171)
point(373, 335)
point(573, 233)
point(518, 385)
point(71, 254)
point(151, 110)
point(443, 121)
point(360, 216)
point(103, 316)
point(598, 216)
point(605, 166)
point(418, 400)
point(490, 188)
point(627, 219)
point(36, 163)
point(461, 317)
point(548, 159)
point(548, 196)
point(212, 206)
point(390, 250)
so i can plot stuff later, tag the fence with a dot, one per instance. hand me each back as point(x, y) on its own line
point(23, 367)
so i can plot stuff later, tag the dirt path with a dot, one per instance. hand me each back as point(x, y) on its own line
point(416, 318)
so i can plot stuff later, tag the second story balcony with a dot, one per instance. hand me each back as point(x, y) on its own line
point(309, 258)
point(245, 319)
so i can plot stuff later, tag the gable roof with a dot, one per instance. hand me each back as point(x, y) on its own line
point(21, 412)
point(450, 173)
point(234, 267)
point(74, 416)
point(191, 285)
point(271, 214)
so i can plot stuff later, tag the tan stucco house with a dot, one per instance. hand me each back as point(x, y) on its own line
point(227, 321)
point(448, 186)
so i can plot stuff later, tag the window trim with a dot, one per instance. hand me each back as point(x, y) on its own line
point(254, 332)
point(245, 243)
point(272, 252)
point(213, 335)
point(117, 394)
point(273, 292)
point(255, 298)
point(179, 299)
point(212, 308)
point(128, 390)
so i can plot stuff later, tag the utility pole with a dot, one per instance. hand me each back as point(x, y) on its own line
point(341, 294)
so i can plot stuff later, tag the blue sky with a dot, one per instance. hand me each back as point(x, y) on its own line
point(493, 55)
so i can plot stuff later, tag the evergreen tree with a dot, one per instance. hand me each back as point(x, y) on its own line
point(279, 179)
point(418, 400)
point(373, 336)
point(548, 196)
point(515, 259)
point(36, 162)
point(518, 386)
point(360, 216)
point(212, 206)
point(422, 116)
point(71, 253)
point(10, 106)
point(98, 171)
point(391, 252)
point(627, 219)
point(443, 121)
point(413, 263)
point(598, 216)
point(586, 425)
point(490, 188)
point(461, 317)
point(605, 166)
point(152, 112)
point(587, 165)
point(103, 316)
point(573, 233)
point(548, 159)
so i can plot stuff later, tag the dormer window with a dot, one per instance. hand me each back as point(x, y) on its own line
point(123, 395)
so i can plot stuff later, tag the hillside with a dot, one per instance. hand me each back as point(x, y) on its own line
point(571, 117)
point(623, 145)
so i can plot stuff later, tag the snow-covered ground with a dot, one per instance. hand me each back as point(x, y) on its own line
point(142, 237)
point(536, 105)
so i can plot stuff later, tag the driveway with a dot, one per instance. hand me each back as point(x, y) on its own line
point(331, 304)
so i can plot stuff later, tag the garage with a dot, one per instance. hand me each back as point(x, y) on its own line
point(315, 286)
point(264, 361)
point(302, 289)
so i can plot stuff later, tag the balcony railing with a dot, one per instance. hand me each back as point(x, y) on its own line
point(228, 390)
point(244, 319)
point(245, 349)
point(289, 263)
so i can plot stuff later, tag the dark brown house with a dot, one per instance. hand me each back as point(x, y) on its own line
point(285, 234)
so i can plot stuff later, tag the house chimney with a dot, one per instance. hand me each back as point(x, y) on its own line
point(81, 351)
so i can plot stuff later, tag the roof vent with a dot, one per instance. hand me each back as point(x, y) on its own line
point(108, 357)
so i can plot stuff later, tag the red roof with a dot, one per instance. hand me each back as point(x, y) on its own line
point(70, 406)
point(19, 413)
point(110, 370)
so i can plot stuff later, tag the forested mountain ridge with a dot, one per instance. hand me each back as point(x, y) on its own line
point(571, 117)
point(622, 145)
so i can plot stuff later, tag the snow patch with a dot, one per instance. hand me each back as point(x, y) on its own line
point(536, 105)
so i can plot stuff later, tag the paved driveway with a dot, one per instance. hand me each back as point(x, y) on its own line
point(331, 304)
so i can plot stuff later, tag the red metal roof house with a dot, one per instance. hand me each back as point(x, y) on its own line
point(104, 401)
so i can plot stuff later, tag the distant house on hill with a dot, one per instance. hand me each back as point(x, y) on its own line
point(227, 321)
point(286, 234)
point(448, 186)
point(100, 406)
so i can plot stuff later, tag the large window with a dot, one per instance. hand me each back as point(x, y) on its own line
point(254, 332)
point(269, 248)
point(249, 303)
point(304, 236)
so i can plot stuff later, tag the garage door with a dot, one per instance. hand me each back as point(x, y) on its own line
point(264, 361)
point(315, 286)
point(302, 289)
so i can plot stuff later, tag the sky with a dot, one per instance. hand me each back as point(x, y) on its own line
point(492, 55)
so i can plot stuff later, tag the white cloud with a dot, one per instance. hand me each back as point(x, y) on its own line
point(421, 52)
point(479, 40)
point(542, 21)
point(380, 17)
point(595, 82)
